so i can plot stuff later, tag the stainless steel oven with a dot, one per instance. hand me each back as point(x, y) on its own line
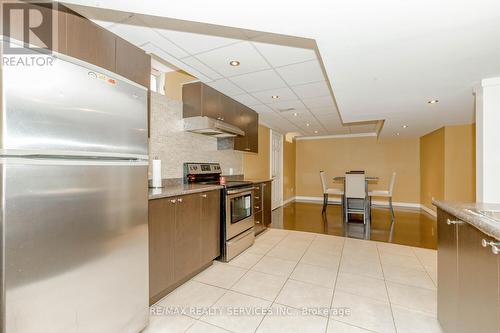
point(239, 211)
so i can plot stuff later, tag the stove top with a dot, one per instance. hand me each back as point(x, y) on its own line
point(209, 174)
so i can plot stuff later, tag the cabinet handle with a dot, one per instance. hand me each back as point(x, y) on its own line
point(494, 245)
point(257, 207)
point(257, 222)
point(450, 222)
point(203, 195)
point(173, 200)
point(247, 149)
point(257, 198)
point(179, 200)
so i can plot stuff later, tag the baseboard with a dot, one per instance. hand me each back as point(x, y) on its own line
point(375, 203)
point(428, 210)
point(287, 201)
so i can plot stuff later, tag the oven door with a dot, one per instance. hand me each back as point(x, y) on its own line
point(239, 211)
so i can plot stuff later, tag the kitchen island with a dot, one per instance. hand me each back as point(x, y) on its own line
point(468, 268)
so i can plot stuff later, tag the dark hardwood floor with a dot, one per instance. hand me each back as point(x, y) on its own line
point(411, 226)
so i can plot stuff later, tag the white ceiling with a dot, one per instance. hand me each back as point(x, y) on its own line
point(383, 59)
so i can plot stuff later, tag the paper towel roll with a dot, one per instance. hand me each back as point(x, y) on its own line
point(156, 173)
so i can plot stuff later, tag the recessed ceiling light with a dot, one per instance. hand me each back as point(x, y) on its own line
point(397, 134)
point(315, 132)
point(308, 124)
point(275, 97)
point(405, 126)
point(433, 101)
point(295, 114)
point(234, 63)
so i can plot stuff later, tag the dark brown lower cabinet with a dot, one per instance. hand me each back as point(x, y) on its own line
point(184, 237)
point(210, 225)
point(266, 209)
point(468, 278)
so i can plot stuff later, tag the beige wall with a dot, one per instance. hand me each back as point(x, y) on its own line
point(289, 162)
point(447, 163)
point(174, 82)
point(256, 166)
point(432, 167)
point(460, 163)
point(376, 156)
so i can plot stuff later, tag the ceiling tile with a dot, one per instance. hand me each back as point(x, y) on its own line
point(280, 55)
point(199, 66)
point(261, 108)
point(138, 33)
point(250, 60)
point(305, 72)
point(323, 111)
point(195, 43)
point(311, 90)
point(259, 81)
point(319, 102)
point(226, 87)
point(284, 94)
point(246, 99)
point(280, 106)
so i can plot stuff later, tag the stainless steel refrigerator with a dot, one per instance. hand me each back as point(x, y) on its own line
point(73, 229)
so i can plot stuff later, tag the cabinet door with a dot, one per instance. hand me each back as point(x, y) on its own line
point(266, 204)
point(448, 273)
point(210, 226)
point(241, 142)
point(230, 112)
point(191, 99)
point(478, 283)
point(187, 235)
point(253, 132)
point(132, 63)
point(211, 103)
point(161, 245)
point(88, 42)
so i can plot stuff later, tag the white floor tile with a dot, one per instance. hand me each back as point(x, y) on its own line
point(318, 275)
point(237, 312)
point(408, 321)
point(221, 275)
point(286, 251)
point(274, 266)
point(365, 312)
point(370, 268)
point(329, 246)
point(202, 327)
point(400, 260)
point(259, 284)
point(339, 327)
point(261, 247)
point(409, 276)
point(300, 294)
point(413, 298)
point(246, 260)
point(287, 320)
point(192, 297)
point(322, 259)
point(427, 257)
point(169, 324)
point(362, 286)
point(395, 249)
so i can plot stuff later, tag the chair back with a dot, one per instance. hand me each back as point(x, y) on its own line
point(324, 183)
point(355, 186)
point(393, 181)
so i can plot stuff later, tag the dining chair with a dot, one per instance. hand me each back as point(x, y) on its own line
point(356, 198)
point(329, 191)
point(386, 194)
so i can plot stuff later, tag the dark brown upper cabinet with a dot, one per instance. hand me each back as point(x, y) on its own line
point(202, 100)
point(132, 62)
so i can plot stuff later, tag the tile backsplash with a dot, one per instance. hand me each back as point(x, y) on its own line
point(173, 146)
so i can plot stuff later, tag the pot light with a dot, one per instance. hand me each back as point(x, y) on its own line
point(433, 101)
point(275, 97)
point(315, 132)
point(234, 63)
point(405, 126)
point(397, 134)
point(295, 114)
point(308, 124)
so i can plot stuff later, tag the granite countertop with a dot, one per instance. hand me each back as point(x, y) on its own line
point(258, 181)
point(180, 189)
point(465, 212)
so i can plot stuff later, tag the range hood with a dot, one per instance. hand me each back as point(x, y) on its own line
point(212, 127)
